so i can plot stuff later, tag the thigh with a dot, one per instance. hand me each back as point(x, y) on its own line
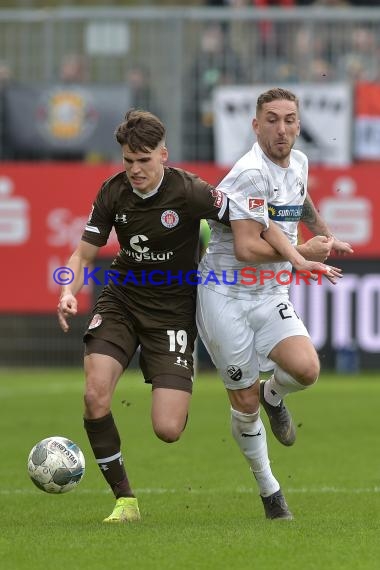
point(228, 337)
point(275, 319)
point(115, 327)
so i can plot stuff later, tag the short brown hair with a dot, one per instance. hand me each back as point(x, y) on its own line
point(275, 94)
point(141, 131)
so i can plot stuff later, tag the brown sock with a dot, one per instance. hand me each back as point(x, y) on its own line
point(105, 443)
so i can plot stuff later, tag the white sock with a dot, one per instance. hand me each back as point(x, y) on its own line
point(279, 385)
point(249, 433)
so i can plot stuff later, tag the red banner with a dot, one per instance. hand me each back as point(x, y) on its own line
point(367, 121)
point(44, 207)
point(349, 201)
point(43, 210)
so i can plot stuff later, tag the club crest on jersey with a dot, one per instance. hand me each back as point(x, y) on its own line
point(96, 321)
point(256, 205)
point(218, 197)
point(169, 218)
point(300, 186)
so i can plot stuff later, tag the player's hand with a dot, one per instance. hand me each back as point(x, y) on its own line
point(314, 270)
point(332, 274)
point(341, 247)
point(67, 307)
point(318, 248)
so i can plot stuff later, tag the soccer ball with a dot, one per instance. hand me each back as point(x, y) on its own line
point(56, 465)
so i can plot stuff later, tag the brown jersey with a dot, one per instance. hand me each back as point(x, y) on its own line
point(155, 269)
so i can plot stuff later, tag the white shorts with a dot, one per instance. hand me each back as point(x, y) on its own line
point(239, 334)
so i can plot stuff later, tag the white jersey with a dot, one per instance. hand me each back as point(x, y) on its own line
point(259, 190)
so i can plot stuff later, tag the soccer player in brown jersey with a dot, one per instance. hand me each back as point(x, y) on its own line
point(150, 299)
point(151, 295)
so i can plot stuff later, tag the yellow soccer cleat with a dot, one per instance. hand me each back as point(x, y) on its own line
point(126, 510)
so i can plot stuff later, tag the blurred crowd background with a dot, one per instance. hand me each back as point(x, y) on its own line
point(70, 70)
point(171, 59)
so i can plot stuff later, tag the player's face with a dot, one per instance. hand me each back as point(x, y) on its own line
point(277, 126)
point(144, 169)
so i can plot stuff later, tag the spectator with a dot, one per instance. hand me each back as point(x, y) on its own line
point(215, 64)
point(140, 87)
point(361, 62)
point(270, 32)
point(311, 55)
point(331, 3)
point(5, 73)
point(72, 72)
point(228, 3)
point(74, 69)
point(5, 79)
point(270, 3)
point(320, 70)
point(365, 3)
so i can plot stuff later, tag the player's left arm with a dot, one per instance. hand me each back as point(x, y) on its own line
point(315, 223)
point(250, 247)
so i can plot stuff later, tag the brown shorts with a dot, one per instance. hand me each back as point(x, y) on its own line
point(165, 350)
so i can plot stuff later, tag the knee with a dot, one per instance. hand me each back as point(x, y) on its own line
point(96, 403)
point(309, 373)
point(245, 401)
point(168, 432)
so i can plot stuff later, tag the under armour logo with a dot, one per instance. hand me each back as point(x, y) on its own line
point(301, 186)
point(181, 362)
point(104, 467)
point(121, 218)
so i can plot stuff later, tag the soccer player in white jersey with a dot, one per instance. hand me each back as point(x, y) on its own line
point(244, 314)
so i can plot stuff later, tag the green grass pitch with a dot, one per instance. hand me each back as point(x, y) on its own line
point(199, 504)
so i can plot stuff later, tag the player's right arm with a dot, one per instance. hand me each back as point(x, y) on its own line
point(95, 235)
point(82, 257)
point(250, 222)
point(250, 246)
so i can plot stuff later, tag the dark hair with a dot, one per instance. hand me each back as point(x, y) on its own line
point(141, 131)
point(274, 95)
